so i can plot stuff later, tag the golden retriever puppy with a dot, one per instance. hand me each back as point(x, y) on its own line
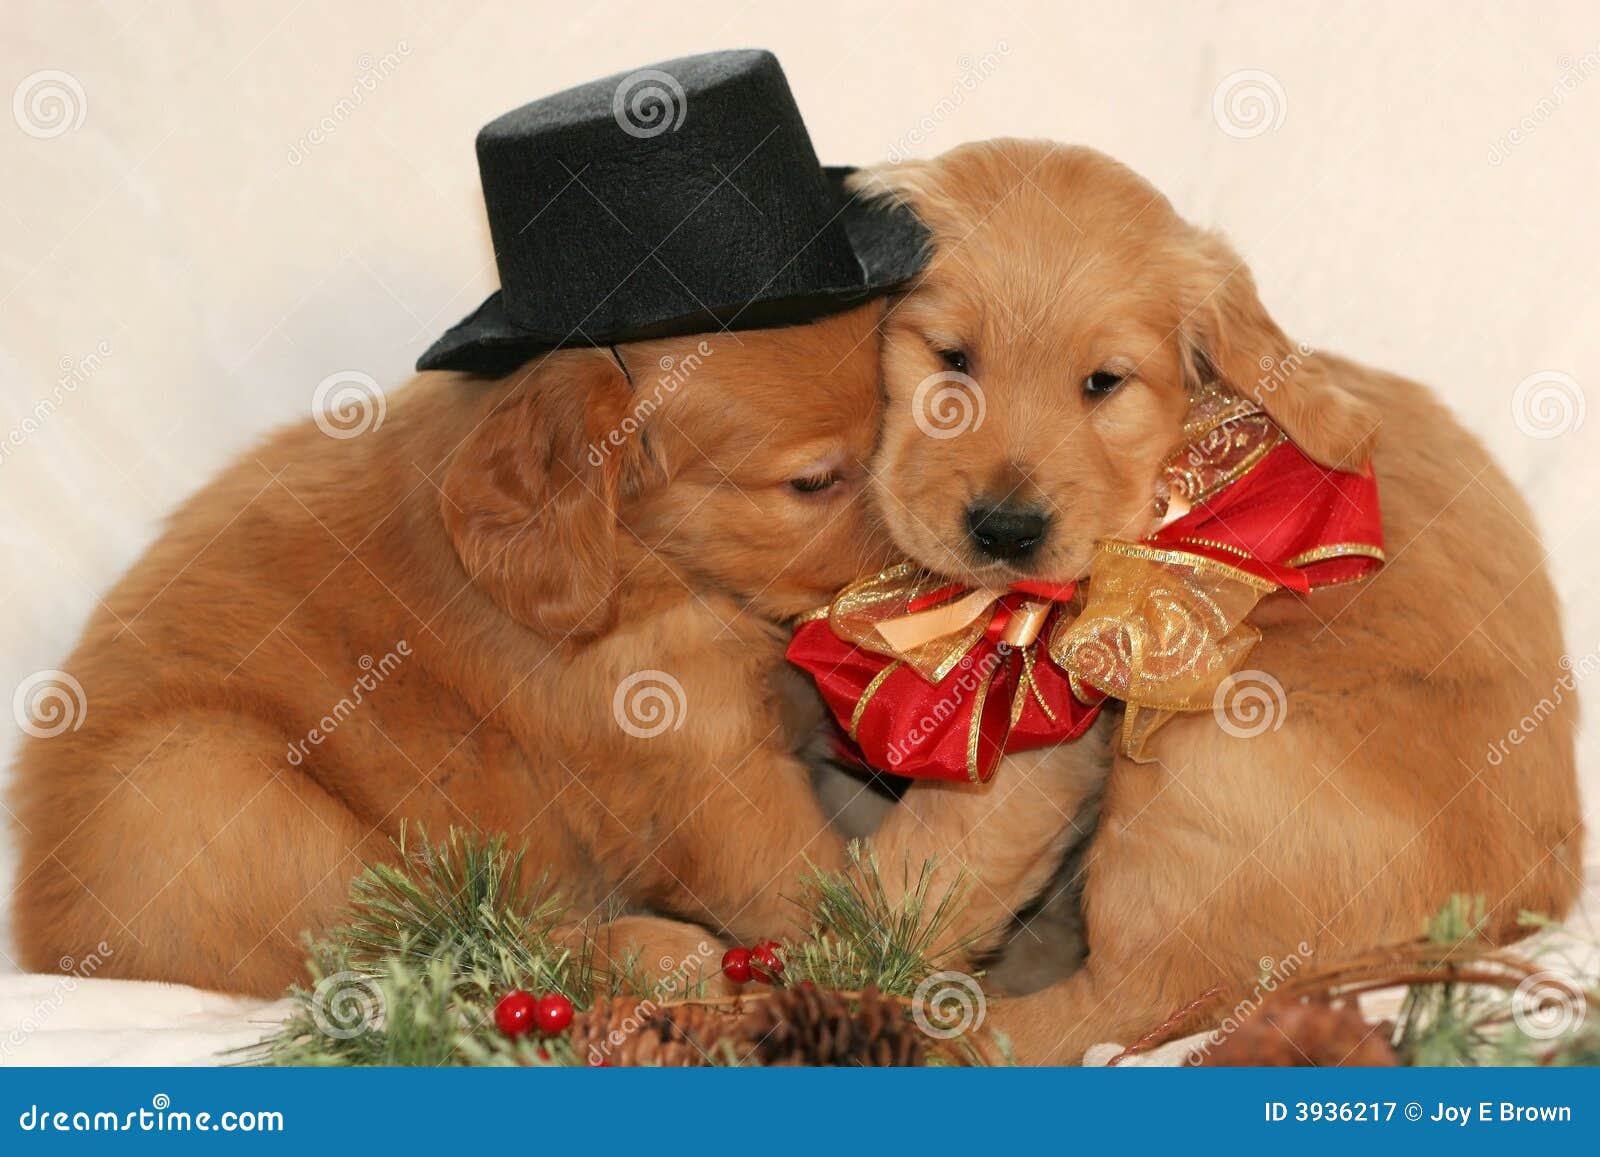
point(1085, 309)
point(547, 606)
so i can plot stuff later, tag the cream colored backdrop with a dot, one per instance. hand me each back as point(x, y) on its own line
point(208, 208)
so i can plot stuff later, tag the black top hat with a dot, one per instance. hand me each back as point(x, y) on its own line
point(674, 199)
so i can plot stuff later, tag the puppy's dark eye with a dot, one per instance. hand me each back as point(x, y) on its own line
point(954, 359)
point(814, 485)
point(1102, 382)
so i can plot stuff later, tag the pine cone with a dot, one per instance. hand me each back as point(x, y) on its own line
point(1286, 1032)
point(627, 1031)
point(808, 1026)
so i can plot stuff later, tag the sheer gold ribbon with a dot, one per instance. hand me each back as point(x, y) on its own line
point(1161, 629)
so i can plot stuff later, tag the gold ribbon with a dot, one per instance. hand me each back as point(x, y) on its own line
point(1160, 629)
point(872, 614)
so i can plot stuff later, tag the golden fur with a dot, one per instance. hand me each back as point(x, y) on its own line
point(505, 555)
point(1379, 795)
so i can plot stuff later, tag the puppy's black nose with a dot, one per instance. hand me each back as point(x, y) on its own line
point(1005, 532)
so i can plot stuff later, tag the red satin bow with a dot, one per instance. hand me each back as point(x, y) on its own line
point(921, 729)
point(1282, 522)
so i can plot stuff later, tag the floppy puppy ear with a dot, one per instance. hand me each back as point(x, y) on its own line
point(918, 185)
point(1231, 335)
point(903, 181)
point(530, 498)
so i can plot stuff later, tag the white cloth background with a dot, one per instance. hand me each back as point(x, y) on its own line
point(246, 198)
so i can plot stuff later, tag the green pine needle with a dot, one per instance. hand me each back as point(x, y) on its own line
point(860, 937)
point(433, 941)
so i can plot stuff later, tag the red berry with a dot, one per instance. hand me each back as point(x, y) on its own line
point(765, 963)
point(553, 1012)
point(514, 1014)
point(736, 965)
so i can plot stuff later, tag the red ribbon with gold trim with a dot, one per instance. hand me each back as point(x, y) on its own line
point(935, 680)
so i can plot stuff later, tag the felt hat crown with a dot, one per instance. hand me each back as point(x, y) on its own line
point(675, 199)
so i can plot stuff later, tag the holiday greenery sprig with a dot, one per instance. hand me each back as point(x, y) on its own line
point(448, 957)
point(862, 938)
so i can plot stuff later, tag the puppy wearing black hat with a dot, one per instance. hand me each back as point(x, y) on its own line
point(539, 594)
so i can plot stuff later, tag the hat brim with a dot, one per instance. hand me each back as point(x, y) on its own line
point(890, 244)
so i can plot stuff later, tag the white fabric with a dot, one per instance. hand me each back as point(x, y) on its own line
point(259, 196)
point(53, 1020)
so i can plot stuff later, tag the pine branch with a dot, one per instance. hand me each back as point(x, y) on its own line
point(860, 938)
point(467, 900)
